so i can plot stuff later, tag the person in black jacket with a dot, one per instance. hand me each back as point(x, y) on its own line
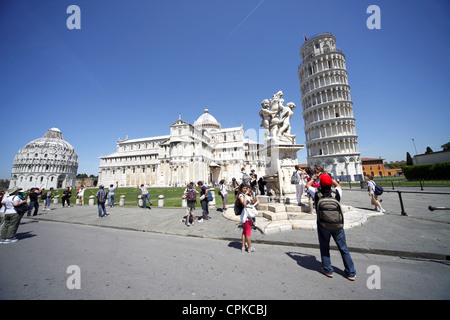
point(66, 197)
point(34, 201)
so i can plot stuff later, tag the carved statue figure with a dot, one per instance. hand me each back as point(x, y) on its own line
point(266, 115)
point(275, 117)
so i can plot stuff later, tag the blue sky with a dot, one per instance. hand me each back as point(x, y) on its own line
point(136, 65)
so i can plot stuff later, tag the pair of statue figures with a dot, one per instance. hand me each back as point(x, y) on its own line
point(276, 117)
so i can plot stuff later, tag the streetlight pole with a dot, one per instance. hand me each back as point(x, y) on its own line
point(414, 145)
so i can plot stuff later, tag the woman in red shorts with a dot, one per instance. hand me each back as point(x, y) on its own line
point(246, 220)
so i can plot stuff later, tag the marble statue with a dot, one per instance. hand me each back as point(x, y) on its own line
point(276, 117)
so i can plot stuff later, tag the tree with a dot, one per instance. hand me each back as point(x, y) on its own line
point(446, 147)
point(409, 161)
point(428, 150)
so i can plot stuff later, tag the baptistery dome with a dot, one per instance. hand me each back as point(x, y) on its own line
point(45, 162)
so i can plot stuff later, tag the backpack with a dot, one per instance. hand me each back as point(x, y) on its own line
point(44, 196)
point(378, 190)
point(329, 213)
point(209, 197)
point(246, 179)
point(238, 207)
point(294, 178)
point(191, 195)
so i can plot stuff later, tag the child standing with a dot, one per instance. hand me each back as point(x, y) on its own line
point(244, 201)
point(190, 194)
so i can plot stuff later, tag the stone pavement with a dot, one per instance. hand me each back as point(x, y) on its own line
point(420, 234)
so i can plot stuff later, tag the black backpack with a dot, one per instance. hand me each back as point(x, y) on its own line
point(329, 212)
point(238, 207)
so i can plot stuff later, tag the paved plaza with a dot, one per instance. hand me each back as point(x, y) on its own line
point(420, 233)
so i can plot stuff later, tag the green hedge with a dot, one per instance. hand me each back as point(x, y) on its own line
point(435, 171)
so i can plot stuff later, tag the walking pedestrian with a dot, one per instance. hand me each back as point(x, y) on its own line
point(145, 196)
point(190, 194)
point(204, 201)
point(373, 197)
point(12, 218)
point(101, 195)
point(325, 231)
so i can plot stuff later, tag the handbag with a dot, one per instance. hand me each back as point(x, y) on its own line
point(251, 211)
point(22, 208)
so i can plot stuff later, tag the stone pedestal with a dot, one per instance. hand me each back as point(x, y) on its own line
point(281, 158)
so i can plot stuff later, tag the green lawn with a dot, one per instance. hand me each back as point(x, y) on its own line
point(402, 182)
point(172, 196)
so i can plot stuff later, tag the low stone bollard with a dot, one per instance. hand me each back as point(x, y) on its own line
point(77, 201)
point(91, 200)
point(56, 199)
point(122, 200)
point(140, 202)
point(161, 201)
point(213, 202)
point(183, 202)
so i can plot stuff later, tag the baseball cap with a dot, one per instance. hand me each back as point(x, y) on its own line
point(325, 180)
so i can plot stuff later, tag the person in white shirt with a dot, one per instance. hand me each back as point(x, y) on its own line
point(145, 196)
point(12, 218)
point(301, 185)
point(111, 194)
point(244, 200)
point(374, 198)
point(223, 193)
point(80, 196)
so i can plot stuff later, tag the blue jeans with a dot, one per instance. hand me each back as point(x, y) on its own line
point(205, 209)
point(47, 202)
point(144, 197)
point(101, 206)
point(111, 200)
point(35, 205)
point(324, 242)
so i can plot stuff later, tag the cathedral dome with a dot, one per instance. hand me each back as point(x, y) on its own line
point(207, 121)
point(45, 162)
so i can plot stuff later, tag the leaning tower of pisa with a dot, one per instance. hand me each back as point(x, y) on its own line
point(331, 139)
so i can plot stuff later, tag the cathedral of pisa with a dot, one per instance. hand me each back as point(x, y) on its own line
point(203, 151)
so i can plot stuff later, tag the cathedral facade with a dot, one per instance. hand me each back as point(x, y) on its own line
point(203, 151)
